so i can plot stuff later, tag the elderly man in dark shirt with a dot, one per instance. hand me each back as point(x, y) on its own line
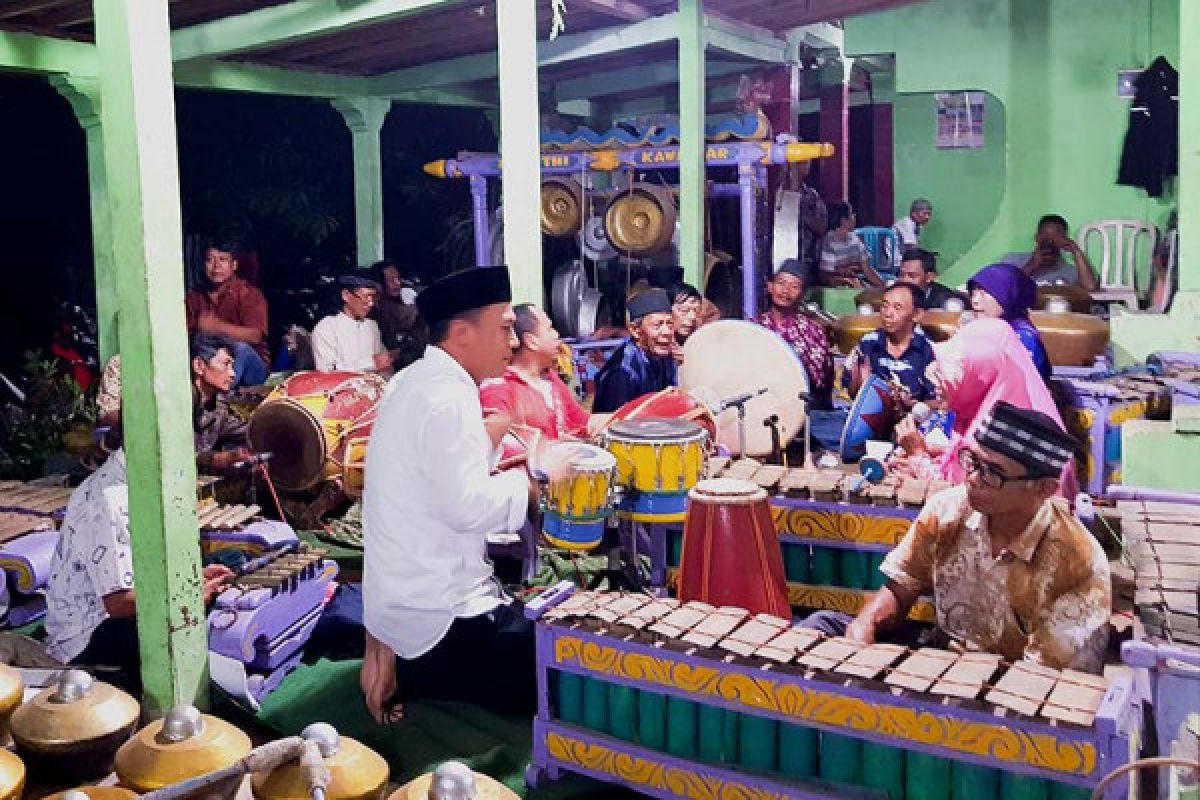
point(404, 332)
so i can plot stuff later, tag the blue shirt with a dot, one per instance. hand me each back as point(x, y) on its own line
point(630, 373)
point(1032, 340)
point(908, 368)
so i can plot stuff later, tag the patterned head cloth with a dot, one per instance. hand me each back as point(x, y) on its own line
point(1031, 438)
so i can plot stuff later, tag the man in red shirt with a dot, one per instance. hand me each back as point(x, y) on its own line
point(530, 393)
point(229, 306)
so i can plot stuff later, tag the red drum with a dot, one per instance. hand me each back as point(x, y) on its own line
point(669, 403)
point(305, 423)
point(351, 454)
point(731, 554)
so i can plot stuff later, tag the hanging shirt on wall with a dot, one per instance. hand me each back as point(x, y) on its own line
point(1151, 152)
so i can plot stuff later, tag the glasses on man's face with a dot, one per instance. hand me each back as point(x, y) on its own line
point(990, 475)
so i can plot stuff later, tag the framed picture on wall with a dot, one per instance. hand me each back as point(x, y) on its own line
point(959, 120)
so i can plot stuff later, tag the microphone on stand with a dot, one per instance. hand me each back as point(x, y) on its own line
point(739, 400)
point(254, 460)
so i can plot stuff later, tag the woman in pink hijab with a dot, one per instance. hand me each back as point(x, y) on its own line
point(982, 364)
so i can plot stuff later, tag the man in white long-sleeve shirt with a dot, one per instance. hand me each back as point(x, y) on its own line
point(350, 340)
point(433, 609)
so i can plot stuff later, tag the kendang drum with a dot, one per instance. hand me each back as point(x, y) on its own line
point(670, 403)
point(575, 507)
point(658, 461)
point(731, 358)
point(351, 454)
point(304, 424)
point(872, 416)
point(731, 554)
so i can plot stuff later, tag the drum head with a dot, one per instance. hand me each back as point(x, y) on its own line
point(727, 490)
point(871, 417)
point(294, 438)
point(655, 430)
point(730, 357)
point(587, 457)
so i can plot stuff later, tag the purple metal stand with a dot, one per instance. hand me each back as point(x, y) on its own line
point(748, 186)
point(1174, 673)
point(479, 216)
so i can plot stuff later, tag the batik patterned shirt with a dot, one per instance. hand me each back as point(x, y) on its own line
point(1046, 598)
point(807, 337)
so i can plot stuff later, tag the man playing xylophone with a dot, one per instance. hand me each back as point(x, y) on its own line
point(1011, 569)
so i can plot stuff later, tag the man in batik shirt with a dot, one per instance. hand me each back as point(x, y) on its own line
point(1012, 571)
point(803, 333)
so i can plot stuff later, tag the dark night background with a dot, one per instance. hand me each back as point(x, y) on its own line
point(276, 171)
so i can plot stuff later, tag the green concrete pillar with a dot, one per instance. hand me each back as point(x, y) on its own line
point(364, 117)
point(520, 147)
point(83, 94)
point(133, 46)
point(692, 42)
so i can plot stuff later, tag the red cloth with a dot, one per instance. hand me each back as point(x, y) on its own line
point(527, 405)
point(235, 302)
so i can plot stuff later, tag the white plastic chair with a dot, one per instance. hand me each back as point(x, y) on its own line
point(1118, 265)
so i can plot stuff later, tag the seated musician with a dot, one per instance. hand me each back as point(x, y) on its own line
point(898, 352)
point(643, 363)
point(805, 335)
point(433, 609)
point(530, 392)
point(980, 366)
point(396, 312)
point(1012, 571)
point(219, 433)
point(227, 305)
point(350, 340)
point(1046, 264)
point(844, 260)
point(1002, 291)
point(686, 305)
point(919, 267)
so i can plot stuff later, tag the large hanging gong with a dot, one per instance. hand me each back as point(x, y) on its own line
point(562, 206)
point(642, 220)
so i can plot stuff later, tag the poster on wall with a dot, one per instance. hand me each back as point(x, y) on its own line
point(959, 120)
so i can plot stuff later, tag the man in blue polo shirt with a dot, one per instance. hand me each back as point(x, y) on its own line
point(897, 352)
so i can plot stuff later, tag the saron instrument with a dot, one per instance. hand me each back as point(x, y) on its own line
point(304, 423)
point(356, 772)
point(182, 745)
point(575, 508)
point(658, 461)
point(731, 554)
point(72, 730)
point(731, 357)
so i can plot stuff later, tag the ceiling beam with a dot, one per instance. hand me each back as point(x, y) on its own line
point(17, 8)
point(284, 24)
point(623, 9)
point(818, 36)
point(31, 52)
point(572, 47)
point(629, 79)
point(726, 35)
point(241, 77)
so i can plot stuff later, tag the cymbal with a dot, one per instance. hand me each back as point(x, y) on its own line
point(182, 745)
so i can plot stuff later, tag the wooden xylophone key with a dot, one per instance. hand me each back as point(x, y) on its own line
point(788, 645)
point(742, 469)
point(968, 676)
point(921, 670)
point(871, 661)
point(715, 627)
point(1076, 698)
point(1023, 687)
point(753, 634)
point(716, 466)
point(829, 653)
point(650, 613)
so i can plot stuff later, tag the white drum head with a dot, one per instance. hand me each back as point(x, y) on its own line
point(730, 357)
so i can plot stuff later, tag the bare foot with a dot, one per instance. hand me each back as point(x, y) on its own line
point(378, 682)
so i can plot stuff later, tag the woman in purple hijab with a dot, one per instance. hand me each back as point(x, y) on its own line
point(1003, 291)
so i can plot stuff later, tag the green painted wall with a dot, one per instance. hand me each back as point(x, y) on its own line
point(1052, 65)
point(922, 170)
